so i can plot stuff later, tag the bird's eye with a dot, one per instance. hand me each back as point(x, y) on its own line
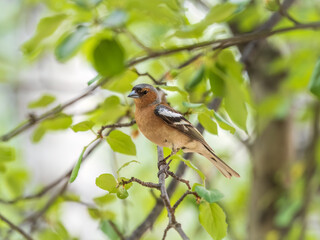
point(145, 92)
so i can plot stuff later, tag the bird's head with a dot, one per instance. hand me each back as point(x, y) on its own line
point(144, 95)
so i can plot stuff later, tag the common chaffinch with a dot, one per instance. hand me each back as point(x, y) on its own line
point(166, 127)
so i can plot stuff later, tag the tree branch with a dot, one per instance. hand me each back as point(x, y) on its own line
point(33, 219)
point(34, 119)
point(136, 40)
point(145, 184)
point(116, 229)
point(165, 197)
point(310, 170)
point(283, 11)
point(269, 24)
point(151, 77)
point(179, 179)
point(115, 125)
point(217, 44)
point(224, 43)
point(15, 227)
point(183, 196)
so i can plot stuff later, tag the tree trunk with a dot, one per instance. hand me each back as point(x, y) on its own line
point(272, 149)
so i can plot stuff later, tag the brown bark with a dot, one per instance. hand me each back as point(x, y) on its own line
point(271, 150)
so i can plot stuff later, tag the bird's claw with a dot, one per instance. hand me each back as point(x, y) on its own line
point(165, 169)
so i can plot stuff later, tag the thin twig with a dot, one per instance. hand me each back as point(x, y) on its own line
point(174, 207)
point(33, 219)
point(36, 119)
point(145, 184)
point(136, 40)
point(116, 229)
point(115, 125)
point(151, 77)
point(179, 179)
point(15, 227)
point(182, 65)
point(283, 11)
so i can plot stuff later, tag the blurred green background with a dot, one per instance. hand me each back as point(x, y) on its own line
point(65, 62)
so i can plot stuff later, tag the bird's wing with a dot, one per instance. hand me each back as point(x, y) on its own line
point(178, 121)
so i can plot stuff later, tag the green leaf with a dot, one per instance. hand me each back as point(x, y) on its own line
point(117, 18)
point(107, 214)
point(271, 5)
point(183, 93)
point(108, 58)
point(126, 164)
point(235, 105)
point(217, 13)
point(96, 78)
point(72, 197)
point(105, 199)
point(94, 213)
point(287, 212)
point(211, 196)
point(108, 230)
point(109, 111)
point(213, 219)
point(62, 231)
point(76, 168)
point(61, 121)
point(190, 165)
point(101, 214)
point(107, 182)
point(218, 87)
point(43, 101)
point(45, 28)
point(237, 95)
point(314, 84)
point(122, 192)
point(87, 4)
point(224, 124)
point(15, 180)
point(38, 134)
point(193, 105)
point(7, 153)
point(2, 168)
point(197, 78)
point(48, 234)
point(121, 142)
point(121, 83)
point(206, 121)
point(220, 13)
point(276, 106)
point(82, 126)
point(71, 43)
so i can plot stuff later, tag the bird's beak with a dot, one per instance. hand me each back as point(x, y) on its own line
point(133, 94)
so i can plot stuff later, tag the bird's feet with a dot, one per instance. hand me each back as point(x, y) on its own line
point(163, 166)
point(164, 163)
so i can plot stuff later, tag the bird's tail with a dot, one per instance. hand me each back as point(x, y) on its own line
point(227, 171)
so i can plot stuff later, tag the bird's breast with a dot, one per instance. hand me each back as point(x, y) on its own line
point(158, 132)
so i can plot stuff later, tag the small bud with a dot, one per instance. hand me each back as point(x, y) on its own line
point(122, 192)
point(271, 5)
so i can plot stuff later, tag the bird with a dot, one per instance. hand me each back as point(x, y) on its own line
point(166, 127)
